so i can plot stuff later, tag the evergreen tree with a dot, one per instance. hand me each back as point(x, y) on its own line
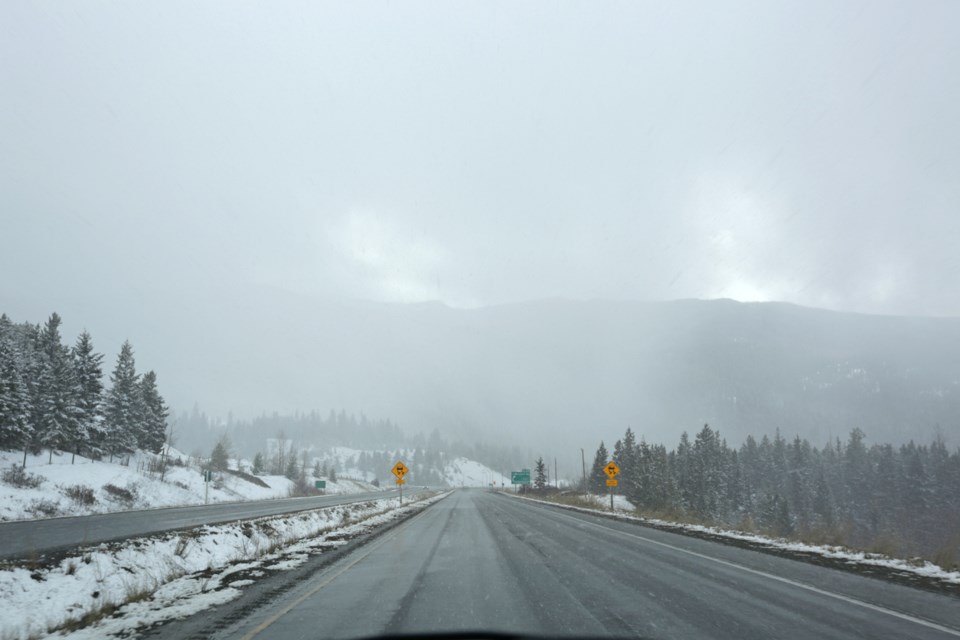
point(598, 478)
point(89, 371)
point(629, 461)
point(59, 424)
point(257, 464)
point(540, 477)
point(15, 428)
point(291, 470)
point(123, 405)
point(220, 456)
point(153, 414)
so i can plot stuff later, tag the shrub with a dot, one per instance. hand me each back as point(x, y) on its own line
point(17, 476)
point(120, 494)
point(44, 508)
point(81, 494)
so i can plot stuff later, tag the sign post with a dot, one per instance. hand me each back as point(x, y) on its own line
point(520, 477)
point(612, 469)
point(400, 470)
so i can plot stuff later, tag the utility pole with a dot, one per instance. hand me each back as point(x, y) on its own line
point(583, 463)
point(556, 478)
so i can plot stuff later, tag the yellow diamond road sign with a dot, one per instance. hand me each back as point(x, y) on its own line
point(400, 469)
point(611, 469)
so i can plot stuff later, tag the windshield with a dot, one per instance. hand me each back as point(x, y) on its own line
point(548, 318)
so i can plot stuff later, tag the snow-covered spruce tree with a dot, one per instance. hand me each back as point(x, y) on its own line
point(15, 428)
point(154, 414)
point(220, 456)
point(59, 425)
point(122, 414)
point(291, 469)
point(630, 462)
point(540, 477)
point(598, 479)
point(89, 370)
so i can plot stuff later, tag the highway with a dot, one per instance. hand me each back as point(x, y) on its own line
point(481, 561)
point(29, 537)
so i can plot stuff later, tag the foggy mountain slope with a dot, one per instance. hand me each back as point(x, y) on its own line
point(563, 371)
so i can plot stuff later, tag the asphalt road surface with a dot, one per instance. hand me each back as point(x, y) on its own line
point(481, 561)
point(26, 538)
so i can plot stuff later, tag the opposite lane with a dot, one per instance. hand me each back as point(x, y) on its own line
point(27, 537)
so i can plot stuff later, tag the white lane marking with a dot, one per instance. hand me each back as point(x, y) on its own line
point(794, 583)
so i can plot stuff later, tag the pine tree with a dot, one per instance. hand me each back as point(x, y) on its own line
point(153, 414)
point(257, 464)
point(598, 479)
point(122, 407)
point(15, 427)
point(59, 425)
point(291, 469)
point(540, 477)
point(89, 370)
point(629, 461)
point(220, 456)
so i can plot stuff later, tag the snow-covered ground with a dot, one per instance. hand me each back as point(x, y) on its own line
point(917, 566)
point(86, 486)
point(462, 472)
point(620, 503)
point(175, 574)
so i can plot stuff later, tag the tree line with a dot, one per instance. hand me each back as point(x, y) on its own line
point(52, 396)
point(899, 500)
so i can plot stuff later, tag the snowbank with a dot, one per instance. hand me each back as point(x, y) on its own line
point(175, 574)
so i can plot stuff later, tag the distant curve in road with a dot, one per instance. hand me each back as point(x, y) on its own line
point(26, 538)
point(481, 561)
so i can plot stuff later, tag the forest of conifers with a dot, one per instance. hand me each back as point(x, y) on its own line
point(899, 500)
point(52, 395)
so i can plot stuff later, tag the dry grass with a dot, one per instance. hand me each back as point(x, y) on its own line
point(885, 544)
point(947, 557)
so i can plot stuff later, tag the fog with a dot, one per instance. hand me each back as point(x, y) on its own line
point(452, 215)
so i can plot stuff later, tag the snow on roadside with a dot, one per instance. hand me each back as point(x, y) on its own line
point(79, 486)
point(185, 572)
point(620, 503)
point(116, 487)
point(918, 567)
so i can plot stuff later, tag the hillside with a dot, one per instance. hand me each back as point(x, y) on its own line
point(61, 488)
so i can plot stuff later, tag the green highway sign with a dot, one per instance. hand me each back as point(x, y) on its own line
point(320, 484)
point(520, 477)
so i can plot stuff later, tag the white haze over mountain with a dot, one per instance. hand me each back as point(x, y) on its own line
point(554, 372)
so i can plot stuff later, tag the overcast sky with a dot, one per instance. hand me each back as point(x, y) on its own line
point(480, 153)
